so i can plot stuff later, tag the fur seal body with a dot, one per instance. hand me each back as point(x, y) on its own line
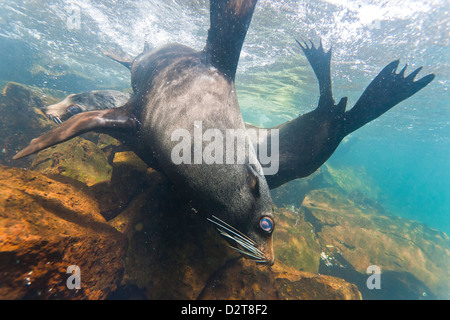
point(174, 87)
point(86, 101)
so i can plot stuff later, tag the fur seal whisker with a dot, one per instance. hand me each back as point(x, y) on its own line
point(239, 241)
point(251, 249)
point(221, 224)
point(242, 242)
point(237, 238)
point(246, 253)
point(249, 241)
point(55, 119)
point(260, 261)
point(247, 245)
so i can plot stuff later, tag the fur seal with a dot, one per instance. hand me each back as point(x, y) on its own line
point(85, 101)
point(174, 87)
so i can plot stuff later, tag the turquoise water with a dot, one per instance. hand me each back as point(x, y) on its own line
point(406, 151)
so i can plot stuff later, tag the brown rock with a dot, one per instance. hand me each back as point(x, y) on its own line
point(242, 279)
point(295, 242)
point(21, 120)
point(365, 236)
point(47, 226)
point(158, 244)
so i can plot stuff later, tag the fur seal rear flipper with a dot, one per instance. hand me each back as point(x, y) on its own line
point(114, 122)
point(306, 142)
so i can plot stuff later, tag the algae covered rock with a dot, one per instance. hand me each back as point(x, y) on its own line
point(156, 248)
point(22, 120)
point(364, 236)
point(295, 242)
point(244, 280)
point(354, 181)
point(78, 158)
point(352, 231)
point(47, 226)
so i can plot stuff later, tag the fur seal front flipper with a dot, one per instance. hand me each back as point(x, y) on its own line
point(306, 142)
point(320, 61)
point(230, 20)
point(384, 92)
point(113, 122)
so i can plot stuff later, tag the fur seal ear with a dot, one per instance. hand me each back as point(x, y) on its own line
point(229, 21)
point(104, 121)
point(253, 182)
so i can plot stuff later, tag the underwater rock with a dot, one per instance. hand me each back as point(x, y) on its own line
point(354, 181)
point(291, 194)
point(77, 158)
point(244, 280)
point(21, 121)
point(364, 236)
point(295, 242)
point(158, 247)
point(130, 177)
point(350, 180)
point(47, 226)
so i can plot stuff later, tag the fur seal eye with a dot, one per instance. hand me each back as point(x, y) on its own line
point(266, 224)
point(74, 109)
